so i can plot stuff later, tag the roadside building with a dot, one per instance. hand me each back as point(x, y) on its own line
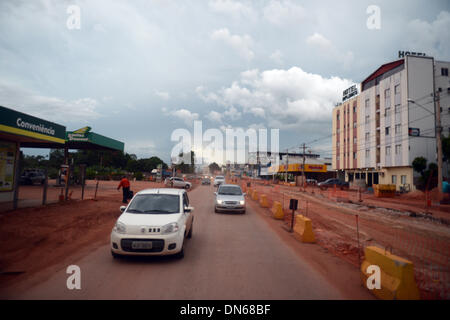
point(395, 122)
point(346, 135)
point(18, 129)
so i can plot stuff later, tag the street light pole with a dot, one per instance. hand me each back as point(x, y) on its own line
point(438, 135)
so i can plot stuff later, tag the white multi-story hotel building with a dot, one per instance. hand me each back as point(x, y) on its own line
point(395, 121)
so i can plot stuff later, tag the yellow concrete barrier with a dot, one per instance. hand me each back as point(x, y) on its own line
point(277, 210)
point(396, 275)
point(303, 229)
point(263, 201)
point(255, 195)
point(249, 191)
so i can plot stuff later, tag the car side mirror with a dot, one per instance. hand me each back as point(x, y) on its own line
point(188, 209)
point(122, 208)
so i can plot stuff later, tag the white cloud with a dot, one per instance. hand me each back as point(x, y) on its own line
point(431, 38)
point(214, 116)
point(283, 13)
point(328, 50)
point(163, 95)
point(277, 57)
point(50, 108)
point(233, 113)
point(235, 9)
point(287, 99)
point(241, 44)
point(183, 114)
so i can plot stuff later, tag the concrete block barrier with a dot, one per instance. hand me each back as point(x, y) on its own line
point(397, 280)
point(303, 229)
point(255, 195)
point(263, 201)
point(277, 210)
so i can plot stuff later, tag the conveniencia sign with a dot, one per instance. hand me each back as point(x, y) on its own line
point(19, 123)
point(35, 127)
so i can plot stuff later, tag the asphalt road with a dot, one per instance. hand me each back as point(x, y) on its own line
point(230, 256)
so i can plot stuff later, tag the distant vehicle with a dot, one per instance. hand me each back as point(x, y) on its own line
point(311, 182)
point(206, 181)
point(32, 177)
point(330, 183)
point(176, 182)
point(229, 197)
point(155, 222)
point(219, 180)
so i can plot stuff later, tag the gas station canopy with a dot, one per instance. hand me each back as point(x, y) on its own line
point(85, 139)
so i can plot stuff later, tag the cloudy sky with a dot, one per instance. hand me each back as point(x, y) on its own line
point(137, 70)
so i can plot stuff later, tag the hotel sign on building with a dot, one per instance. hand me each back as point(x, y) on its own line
point(349, 93)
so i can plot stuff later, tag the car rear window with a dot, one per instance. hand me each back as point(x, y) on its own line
point(155, 204)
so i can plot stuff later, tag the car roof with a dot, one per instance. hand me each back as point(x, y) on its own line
point(162, 191)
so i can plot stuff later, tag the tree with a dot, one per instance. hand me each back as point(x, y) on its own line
point(419, 164)
point(213, 167)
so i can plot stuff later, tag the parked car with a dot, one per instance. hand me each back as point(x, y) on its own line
point(219, 180)
point(229, 197)
point(311, 182)
point(32, 177)
point(176, 182)
point(330, 183)
point(206, 181)
point(155, 222)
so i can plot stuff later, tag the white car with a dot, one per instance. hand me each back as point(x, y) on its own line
point(219, 180)
point(176, 182)
point(229, 198)
point(155, 222)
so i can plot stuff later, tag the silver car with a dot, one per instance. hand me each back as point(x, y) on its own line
point(229, 197)
point(219, 180)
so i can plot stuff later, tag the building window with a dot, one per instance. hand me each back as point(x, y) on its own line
point(354, 155)
point(338, 144)
point(398, 128)
point(387, 111)
point(354, 140)
point(354, 109)
point(394, 179)
point(397, 89)
point(338, 131)
point(367, 153)
point(338, 158)
point(403, 179)
point(367, 103)
point(354, 125)
point(367, 119)
point(388, 150)
point(367, 136)
point(398, 149)
point(444, 72)
point(387, 93)
point(337, 117)
point(387, 130)
point(397, 108)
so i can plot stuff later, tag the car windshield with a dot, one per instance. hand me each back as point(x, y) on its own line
point(219, 178)
point(231, 191)
point(155, 204)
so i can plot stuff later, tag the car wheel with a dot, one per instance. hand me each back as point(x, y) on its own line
point(115, 255)
point(187, 186)
point(180, 255)
point(243, 212)
point(190, 230)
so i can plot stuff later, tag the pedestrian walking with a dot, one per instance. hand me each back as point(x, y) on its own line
point(125, 184)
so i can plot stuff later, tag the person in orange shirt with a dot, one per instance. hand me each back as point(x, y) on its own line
point(125, 184)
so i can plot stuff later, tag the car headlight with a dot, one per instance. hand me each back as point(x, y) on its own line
point(170, 228)
point(120, 227)
point(242, 202)
point(219, 201)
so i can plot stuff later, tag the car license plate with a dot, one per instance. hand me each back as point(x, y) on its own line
point(141, 245)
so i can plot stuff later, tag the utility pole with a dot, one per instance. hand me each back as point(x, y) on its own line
point(287, 165)
point(303, 167)
point(439, 142)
